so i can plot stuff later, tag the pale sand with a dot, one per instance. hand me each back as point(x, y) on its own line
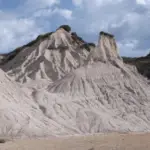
point(96, 142)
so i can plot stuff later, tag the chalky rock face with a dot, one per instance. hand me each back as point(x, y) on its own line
point(103, 96)
point(49, 59)
point(69, 90)
point(106, 49)
point(108, 46)
point(99, 98)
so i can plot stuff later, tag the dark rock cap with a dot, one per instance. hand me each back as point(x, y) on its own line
point(65, 27)
point(106, 34)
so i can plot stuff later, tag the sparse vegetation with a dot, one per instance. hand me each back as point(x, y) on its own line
point(92, 44)
point(80, 39)
point(76, 37)
point(142, 64)
point(107, 34)
point(74, 34)
point(86, 46)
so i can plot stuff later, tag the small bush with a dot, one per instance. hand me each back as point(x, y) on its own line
point(80, 39)
point(92, 44)
point(74, 34)
point(106, 34)
point(66, 28)
point(76, 37)
point(86, 46)
point(142, 64)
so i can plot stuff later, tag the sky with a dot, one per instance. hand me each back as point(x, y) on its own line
point(129, 20)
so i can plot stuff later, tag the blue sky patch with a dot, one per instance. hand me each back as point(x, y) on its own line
point(23, 20)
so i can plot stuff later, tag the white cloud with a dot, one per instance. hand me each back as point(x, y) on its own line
point(77, 2)
point(25, 23)
point(128, 49)
point(126, 19)
point(43, 13)
point(95, 3)
point(33, 5)
point(142, 2)
point(15, 32)
point(67, 14)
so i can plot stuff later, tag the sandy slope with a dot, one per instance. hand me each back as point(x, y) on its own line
point(69, 92)
point(105, 95)
point(95, 142)
point(98, 98)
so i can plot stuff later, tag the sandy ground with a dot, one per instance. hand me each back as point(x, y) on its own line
point(95, 142)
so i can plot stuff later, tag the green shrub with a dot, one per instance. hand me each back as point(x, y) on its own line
point(92, 44)
point(74, 34)
point(80, 39)
point(66, 28)
point(86, 46)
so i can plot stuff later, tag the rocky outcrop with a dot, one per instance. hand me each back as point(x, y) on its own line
point(106, 50)
point(108, 46)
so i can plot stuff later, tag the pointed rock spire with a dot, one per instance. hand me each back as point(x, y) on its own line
point(106, 49)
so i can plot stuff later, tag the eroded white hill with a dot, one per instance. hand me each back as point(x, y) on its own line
point(99, 97)
point(49, 59)
point(69, 90)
